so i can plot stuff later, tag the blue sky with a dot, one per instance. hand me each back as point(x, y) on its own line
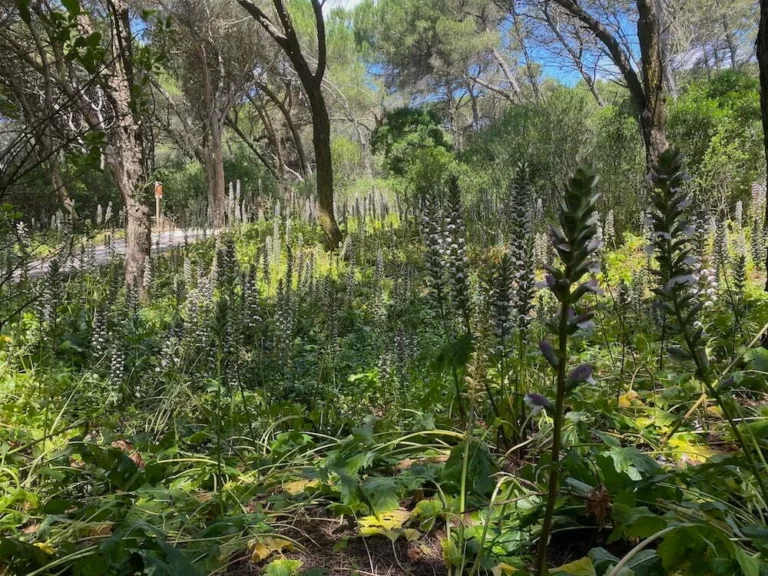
point(551, 69)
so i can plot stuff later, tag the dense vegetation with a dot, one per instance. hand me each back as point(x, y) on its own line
point(541, 346)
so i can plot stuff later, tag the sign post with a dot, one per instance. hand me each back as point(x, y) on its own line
point(158, 197)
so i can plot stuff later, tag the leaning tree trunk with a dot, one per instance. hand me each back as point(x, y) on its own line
point(321, 140)
point(762, 63)
point(647, 93)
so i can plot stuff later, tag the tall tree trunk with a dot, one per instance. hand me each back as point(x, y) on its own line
point(214, 153)
point(60, 187)
point(653, 113)
point(214, 172)
point(321, 140)
point(129, 178)
point(762, 63)
point(125, 152)
point(312, 81)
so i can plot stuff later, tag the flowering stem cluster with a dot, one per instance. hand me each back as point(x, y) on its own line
point(575, 243)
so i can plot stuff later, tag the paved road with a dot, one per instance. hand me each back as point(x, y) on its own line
point(161, 242)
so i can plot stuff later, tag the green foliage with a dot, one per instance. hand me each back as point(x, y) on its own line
point(407, 137)
point(524, 134)
point(428, 44)
point(716, 124)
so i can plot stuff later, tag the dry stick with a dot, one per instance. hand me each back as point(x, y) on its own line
point(703, 396)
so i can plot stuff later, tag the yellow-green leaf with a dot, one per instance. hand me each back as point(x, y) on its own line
point(581, 567)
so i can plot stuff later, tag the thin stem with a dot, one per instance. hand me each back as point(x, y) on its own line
point(718, 398)
point(554, 477)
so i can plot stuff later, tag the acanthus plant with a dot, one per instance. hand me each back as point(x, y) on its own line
point(610, 230)
point(456, 254)
point(524, 287)
point(525, 277)
point(434, 257)
point(721, 249)
point(447, 267)
point(99, 340)
point(501, 305)
point(54, 290)
point(757, 241)
point(575, 243)
point(757, 235)
point(672, 245)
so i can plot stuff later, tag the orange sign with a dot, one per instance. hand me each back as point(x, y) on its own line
point(158, 189)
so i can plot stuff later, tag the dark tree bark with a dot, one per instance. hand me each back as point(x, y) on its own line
point(285, 110)
point(284, 34)
point(648, 92)
point(653, 115)
point(762, 62)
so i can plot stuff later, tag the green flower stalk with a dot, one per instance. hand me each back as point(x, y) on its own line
point(721, 248)
point(673, 247)
point(575, 243)
point(456, 253)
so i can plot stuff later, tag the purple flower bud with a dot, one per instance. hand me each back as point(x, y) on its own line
point(582, 373)
point(537, 402)
point(549, 353)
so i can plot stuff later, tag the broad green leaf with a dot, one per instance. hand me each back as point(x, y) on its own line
point(283, 567)
point(581, 567)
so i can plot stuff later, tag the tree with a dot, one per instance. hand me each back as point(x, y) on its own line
point(212, 60)
point(452, 49)
point(280, 28)
point(404, 133)
point(646, 86)
point(762, 60)
point(103, 76)
point(33, 100)
point(568, 43)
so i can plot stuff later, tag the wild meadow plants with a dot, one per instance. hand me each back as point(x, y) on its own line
point(450, 392)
